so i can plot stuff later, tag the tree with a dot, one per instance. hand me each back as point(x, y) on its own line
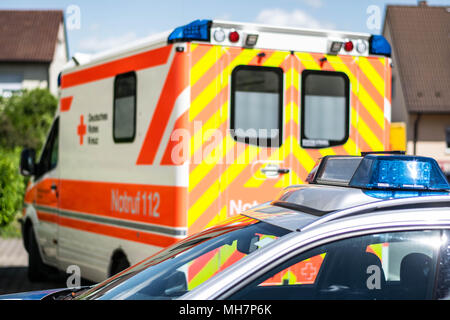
point(25, 118)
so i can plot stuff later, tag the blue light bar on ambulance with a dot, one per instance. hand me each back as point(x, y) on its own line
point(379, 45)
point(196, 30)
point(388, 172)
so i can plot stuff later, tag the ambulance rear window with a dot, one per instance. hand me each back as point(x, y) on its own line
point(256, 105)
point(325, 108)
point(124, 115)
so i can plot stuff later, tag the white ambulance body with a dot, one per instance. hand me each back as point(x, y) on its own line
point(152, 142)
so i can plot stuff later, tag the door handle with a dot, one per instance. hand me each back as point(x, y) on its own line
point(273, 170)
point(283, 171)
point(54, 187)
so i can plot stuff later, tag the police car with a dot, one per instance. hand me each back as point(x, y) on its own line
point(375, 226)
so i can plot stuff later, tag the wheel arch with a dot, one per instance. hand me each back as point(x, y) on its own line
point(117, 257)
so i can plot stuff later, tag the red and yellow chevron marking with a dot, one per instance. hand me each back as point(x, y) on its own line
point(211, 173)
point(213, 180)
point(206, 266)
point(222, 169)
point(377, 249)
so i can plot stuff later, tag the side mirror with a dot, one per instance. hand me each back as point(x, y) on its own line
point(176, 284)
point(27, 162)
point(247, 245)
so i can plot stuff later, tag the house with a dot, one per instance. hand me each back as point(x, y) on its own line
point(419, 36)
point(33, 49)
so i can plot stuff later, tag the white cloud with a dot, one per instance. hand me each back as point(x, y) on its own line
point(314, 3)
point(93, 44)
point(296, 18)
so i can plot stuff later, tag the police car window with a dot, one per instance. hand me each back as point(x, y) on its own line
point(177, 270)
point(256, 105)
point(325, 108)
point(443, 277)
point(398, 265)
point(301, 273)
point(124, 114)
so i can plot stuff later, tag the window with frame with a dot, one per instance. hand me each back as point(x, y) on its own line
point(257, 105)
point(10, 83)
point(325, 112)
point(395, 265)
point(124, 113)
point(49, 157)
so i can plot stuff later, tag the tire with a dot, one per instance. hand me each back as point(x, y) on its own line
point(35, 264)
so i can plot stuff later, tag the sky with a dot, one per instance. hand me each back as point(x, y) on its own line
point(98, 25)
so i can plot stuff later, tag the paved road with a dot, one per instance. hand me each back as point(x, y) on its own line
point(13, 270)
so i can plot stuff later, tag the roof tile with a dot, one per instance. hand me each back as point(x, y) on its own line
point(29, 35)
point(421, 44)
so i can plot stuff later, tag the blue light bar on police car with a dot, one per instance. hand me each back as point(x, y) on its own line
point(390, 172)
point(196, 30)
point(379, 45)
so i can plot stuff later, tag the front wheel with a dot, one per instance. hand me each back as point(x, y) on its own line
point(119, 264)
point(35, 263)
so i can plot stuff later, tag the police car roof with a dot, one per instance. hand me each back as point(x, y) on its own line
point(345, 186)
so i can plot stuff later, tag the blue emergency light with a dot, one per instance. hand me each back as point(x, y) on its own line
point(379, 45)
point(389, 172)
point(383, 176)
point(196, 30)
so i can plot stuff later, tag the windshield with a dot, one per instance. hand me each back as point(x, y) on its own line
point(182, 267)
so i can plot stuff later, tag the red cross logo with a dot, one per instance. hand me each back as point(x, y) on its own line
point(309, 271)
point(81, 129)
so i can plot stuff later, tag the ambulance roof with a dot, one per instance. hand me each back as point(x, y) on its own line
point(267, 37)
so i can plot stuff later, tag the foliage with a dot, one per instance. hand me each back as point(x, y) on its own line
point(25, 119)
point(11, 186)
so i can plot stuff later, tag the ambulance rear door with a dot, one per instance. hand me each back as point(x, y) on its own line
point(260, 132)
point(328, 114)
point(341, 104)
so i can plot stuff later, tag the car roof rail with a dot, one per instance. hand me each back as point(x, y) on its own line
point(393, 204)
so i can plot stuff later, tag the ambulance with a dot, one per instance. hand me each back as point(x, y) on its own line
point(168, 136)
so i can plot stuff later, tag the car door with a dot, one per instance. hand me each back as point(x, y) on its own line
point(391, 266)
point(46, 198)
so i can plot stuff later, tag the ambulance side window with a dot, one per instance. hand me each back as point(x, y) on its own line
point(325, 109)
point(124, 114)
point(257, 105)
point(49, 156)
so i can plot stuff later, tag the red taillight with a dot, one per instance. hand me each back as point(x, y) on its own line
point(233, 36)
point(348, 46)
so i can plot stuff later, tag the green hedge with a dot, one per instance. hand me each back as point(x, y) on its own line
point(11, 185)
point(25, 119)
